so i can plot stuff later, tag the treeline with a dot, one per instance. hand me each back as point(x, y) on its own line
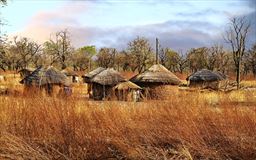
point(58, 51)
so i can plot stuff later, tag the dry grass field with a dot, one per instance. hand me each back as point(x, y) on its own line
point(186, 125)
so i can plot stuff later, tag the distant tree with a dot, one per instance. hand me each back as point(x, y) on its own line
point(182, 61)
point(106, 57)
point(236, 36)
point(197, 58)
point(162, 56)
point(19, 53)
point(81, 59)
point(250, 60)
point(123, 61)
point(141, 54)
point(2, 57)
point(169, 58)
point(59, 48)
point(217, 58)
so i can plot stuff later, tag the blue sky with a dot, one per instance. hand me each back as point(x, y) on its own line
point(113, 23)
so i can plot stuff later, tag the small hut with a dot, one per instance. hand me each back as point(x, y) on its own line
point(101, 81)
point(127, 91)
point(25, 72)
point(72, 75)
point(87, 77)
point(49, 79)
point(206, 79)
point(156, 76)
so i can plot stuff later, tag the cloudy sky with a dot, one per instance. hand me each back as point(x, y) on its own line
point(113, 23)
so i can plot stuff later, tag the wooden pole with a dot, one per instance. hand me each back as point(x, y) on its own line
point(157, 46)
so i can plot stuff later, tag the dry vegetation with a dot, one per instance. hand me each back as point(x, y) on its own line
point(188, 125)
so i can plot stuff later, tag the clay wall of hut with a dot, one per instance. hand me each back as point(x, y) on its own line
point(100, 92)
point(126, 95)
point(159, 92)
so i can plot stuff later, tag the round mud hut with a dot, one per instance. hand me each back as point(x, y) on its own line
point(155, 81)
point(206, 79)
point(128, 91)
point(50, 80)
point(101, 81)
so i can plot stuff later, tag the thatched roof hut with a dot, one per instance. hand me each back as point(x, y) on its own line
point(100, 82)
point(87, 77)
point(127, 91)
point(127, 85)
point(43, 76)
point(154, 80)
point(206, 75)
point(157, 74)
point(206, 79)
point(46, 78)
point(71, 74)
point(108, 76)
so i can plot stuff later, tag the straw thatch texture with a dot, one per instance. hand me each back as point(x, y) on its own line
point(42, 76)
point(108, 77)
point(126, 85)
point(87, 77)
point(206, 76)
point(127, 91)
point(156, 74)
point(69, 72)
point(72, 75)
point(207, 79)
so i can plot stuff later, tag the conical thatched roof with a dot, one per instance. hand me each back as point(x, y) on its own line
point(108, 77)
point(43, 76)
point(87, 77)
point(157, 74)
point(69, 72)
point(206, 75)
point(126, 85)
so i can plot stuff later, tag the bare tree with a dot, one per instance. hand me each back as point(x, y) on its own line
point(26, 49)
point(60, 48)
point(106, 57)
point(182, 61)
point(19, 53)
point(236, 36)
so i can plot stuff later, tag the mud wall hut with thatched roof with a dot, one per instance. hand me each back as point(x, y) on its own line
point(52, 81)
point(87, 79)
point(207, 79)
point(127, 91)
point(25, 72)
point(101, 82)
point(154, 79)
point(72, 75)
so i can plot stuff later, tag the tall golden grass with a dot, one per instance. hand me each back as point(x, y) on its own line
point(185, 126)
